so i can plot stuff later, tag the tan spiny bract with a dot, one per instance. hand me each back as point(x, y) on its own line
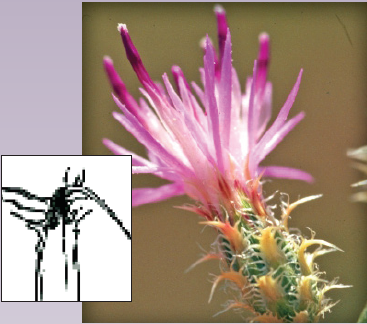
point(275, 278)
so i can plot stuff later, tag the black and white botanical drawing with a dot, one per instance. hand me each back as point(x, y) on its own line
point(65, 209)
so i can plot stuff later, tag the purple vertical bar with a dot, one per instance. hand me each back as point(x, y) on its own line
point(40, 105)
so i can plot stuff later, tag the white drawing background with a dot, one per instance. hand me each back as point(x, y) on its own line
point(104, 250)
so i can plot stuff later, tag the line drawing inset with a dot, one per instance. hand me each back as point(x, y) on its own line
point(58, 210)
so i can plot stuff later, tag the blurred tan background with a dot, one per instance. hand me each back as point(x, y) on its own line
point(327, 40)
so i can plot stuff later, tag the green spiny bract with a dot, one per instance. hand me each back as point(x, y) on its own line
point(269, 268)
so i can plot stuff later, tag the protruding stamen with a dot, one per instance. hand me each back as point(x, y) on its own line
point(263, 61)
point(115, 80)
point(177, 75)
point(134, 57)
point(204, 42)
point(118, 86)
point(222, 28)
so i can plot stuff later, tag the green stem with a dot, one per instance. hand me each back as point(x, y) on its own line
point(363, 317)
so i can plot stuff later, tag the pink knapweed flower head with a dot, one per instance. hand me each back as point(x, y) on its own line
point(208, 141)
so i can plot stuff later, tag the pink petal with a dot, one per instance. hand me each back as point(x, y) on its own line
point(168, 175)
point(222, 31)
point(144, 114)
point(187, 97)
point(148, 169)
point(236, 92)
point(154, 101)
point(278, 137)
point(138, 161)
point(283, 114)
point(225, 93)
point(237, 123)
point(178, 74)
point(144, 137)
point(203, 44)
point(184, 91)
point(118, 150)
point(190, 101)
point(199, 92)
point(152, 195)
point(286, 173)
point(187, 133)
point(188, 117)
point(211, 104)
point(176, 101)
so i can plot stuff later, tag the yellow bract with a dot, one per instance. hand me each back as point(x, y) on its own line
point(269, 248)
point(231, 233)
point(270, 288)
point(306, 259)
point(305, 289)
point(234, 276)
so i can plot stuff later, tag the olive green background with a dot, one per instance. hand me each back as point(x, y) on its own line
point(327, 40)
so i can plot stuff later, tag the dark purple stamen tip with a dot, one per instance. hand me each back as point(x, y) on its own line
point(116, 82)
point(177, 75)
point(118, 86)
point(134, 57)
point(222, 28)
point(264, 52)
point(263, 61)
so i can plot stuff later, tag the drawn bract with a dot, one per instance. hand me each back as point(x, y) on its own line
point(102, 237)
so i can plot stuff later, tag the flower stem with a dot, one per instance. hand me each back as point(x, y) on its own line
point(363, 317)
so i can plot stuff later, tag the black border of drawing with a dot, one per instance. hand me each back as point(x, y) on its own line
point(1, 252)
